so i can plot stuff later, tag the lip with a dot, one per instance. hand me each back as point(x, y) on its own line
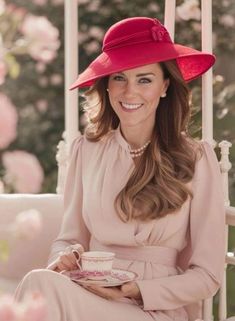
point(130, 110)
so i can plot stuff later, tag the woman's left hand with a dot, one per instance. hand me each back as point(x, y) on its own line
point(129, 290)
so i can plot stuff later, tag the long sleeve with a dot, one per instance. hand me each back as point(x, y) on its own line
point(73, 228)
point(205, 264)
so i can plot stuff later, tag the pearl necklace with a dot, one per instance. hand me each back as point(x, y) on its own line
point(139, 151)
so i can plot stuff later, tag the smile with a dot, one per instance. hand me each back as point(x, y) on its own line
point(130, 106)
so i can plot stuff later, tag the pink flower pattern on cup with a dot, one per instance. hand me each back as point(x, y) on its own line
point(77, 274)
point(96, 264)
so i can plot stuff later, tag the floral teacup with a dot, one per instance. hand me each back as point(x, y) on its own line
point(96, 265)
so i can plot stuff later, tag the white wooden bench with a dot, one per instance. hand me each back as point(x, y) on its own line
point(28, 255)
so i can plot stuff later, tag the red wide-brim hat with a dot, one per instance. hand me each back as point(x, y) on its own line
point(139, 41)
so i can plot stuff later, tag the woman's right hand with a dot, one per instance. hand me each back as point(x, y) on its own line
point(68, 259)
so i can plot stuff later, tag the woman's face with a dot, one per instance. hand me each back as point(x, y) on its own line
point(135, 93)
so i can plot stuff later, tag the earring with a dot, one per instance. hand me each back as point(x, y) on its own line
point(107, 89)
point(163, 95)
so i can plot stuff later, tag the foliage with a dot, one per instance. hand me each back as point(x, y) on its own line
point(38, 91)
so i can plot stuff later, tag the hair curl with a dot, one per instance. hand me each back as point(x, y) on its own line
point(158, 184)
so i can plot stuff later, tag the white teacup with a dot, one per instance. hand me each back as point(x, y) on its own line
point(96, 265)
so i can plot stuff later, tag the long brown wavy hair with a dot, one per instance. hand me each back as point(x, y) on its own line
point(158, 184)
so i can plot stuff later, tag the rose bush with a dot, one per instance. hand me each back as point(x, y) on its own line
point(22, 34)
point(33, 308)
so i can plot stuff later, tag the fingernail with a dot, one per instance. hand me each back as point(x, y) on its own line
point(77, 255)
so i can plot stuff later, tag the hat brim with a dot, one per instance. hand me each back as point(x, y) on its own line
point(192, 63)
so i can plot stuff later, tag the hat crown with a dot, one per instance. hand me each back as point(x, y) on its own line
point(135, 30)
point(138, 41)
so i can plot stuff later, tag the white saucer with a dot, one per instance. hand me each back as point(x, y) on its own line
point(117, 277)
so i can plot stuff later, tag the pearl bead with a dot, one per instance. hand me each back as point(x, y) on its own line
point(139, 151)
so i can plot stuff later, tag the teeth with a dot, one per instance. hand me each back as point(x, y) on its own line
point(131, 106)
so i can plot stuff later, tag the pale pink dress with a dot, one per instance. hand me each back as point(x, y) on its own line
point(179, 258)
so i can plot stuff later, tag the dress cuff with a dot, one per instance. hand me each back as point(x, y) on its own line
point(53, 265)
point(74, 247)
point(144, 291)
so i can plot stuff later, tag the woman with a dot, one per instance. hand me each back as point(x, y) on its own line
point(138, 185)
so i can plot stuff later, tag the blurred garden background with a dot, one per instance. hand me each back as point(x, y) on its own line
point(32, 80)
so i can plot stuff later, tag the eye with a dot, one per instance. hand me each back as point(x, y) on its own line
point(145, 80)
point(118, 78)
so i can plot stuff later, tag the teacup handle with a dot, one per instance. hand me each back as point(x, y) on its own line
point(78, 257)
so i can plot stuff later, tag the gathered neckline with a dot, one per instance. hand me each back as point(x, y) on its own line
point(121, 140)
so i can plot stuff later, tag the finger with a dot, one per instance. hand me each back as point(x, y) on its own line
point(57, 269)
point(127, 287)
point(76, 250)
point(131, 289)
point(76, 259)
point(97, 292)
point(111, 292)
point(62, 267)
point(72, 258)
point(72, 254)
point(80, 249)
point(76, 254)
point(65, 264)
point(68, 260)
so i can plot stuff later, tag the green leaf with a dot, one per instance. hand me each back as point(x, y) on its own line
point(13, 66)
point(4, 251)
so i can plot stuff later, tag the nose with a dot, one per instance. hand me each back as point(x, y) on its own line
point(130, 89)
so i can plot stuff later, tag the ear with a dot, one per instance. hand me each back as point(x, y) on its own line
point(166, 85)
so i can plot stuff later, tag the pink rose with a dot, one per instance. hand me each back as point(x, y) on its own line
point(8, 121)
point(40, 2)
point(40, 67)
point(42, 105)
point(7, 309)
point(23, 171)
point(42, 37)
point(57, 2)
point(28, 224)
point(96, 32)
point(92, 47)
point(227, 20)
point(56, 79)
point(17, 12)
point(35, 309)
point(1, 187)
point(2, 6)
point(189, 10)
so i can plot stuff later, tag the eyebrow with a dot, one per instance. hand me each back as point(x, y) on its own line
point(140, 75)
point(146, 74)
